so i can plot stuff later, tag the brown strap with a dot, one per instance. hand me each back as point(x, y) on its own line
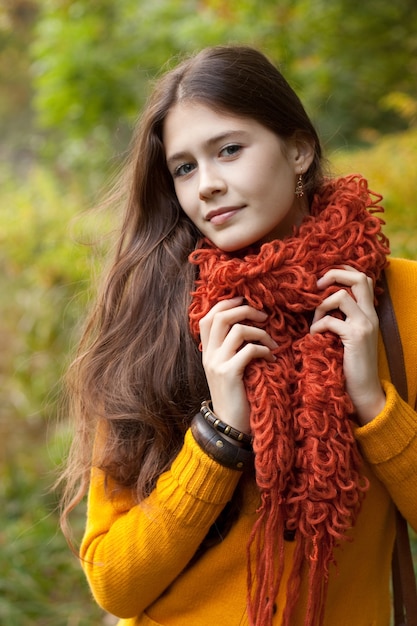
point(392, 340)
point(403, 577)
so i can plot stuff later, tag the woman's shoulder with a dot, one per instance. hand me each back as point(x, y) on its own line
point(402, 282)
point(401, 275)
point(401, 272)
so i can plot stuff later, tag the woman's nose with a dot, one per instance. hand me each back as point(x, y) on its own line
point(211, 182)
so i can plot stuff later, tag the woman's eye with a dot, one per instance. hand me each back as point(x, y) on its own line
point(230, 150)
point(183, 170)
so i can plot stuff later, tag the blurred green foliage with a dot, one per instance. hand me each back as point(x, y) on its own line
point(73, 75)
point(352, 62)
point(44, 276)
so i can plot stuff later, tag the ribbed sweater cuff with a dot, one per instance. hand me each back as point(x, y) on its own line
point(196, 487)
point(391, 431)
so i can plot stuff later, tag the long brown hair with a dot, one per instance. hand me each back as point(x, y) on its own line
point(138, 371)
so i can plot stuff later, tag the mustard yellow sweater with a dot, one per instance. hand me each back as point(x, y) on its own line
point(136, 556)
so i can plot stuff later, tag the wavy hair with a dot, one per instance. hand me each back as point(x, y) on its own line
point(138, 371)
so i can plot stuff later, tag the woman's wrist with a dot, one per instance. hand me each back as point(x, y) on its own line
point(371, 410)
point(225, 429)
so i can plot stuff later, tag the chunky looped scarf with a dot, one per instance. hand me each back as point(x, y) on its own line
point(308, 468)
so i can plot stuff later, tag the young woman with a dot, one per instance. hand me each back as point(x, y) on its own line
point(248, 443)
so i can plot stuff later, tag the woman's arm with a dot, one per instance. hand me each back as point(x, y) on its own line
point(389, 443)
point(132, 552)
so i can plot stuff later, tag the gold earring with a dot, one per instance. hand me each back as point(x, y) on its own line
point(299, 188)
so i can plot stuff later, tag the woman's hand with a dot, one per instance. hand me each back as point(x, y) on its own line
point(359, 335)
point(228, 347)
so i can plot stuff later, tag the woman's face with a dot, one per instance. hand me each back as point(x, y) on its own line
point(234, 178)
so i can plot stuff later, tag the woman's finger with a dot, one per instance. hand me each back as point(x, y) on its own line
point(241, 334)
point(220, 319)
point(361, 287)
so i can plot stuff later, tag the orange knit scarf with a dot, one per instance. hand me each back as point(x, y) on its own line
point(306, 460)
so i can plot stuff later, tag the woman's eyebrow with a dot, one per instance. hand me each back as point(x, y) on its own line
point(226, 135)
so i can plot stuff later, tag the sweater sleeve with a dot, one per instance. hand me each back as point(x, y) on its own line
point(132, 552)
point(389, 443)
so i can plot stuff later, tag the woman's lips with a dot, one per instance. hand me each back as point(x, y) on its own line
point(222, 215)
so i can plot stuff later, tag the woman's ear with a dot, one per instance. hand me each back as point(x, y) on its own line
point(302, 151)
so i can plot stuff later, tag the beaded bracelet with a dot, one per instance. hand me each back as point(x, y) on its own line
point(216, 423)
point(218, 448)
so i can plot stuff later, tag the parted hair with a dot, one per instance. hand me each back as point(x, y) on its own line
point(138, 376)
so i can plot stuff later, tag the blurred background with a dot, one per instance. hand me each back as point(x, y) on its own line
point(73, 77)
